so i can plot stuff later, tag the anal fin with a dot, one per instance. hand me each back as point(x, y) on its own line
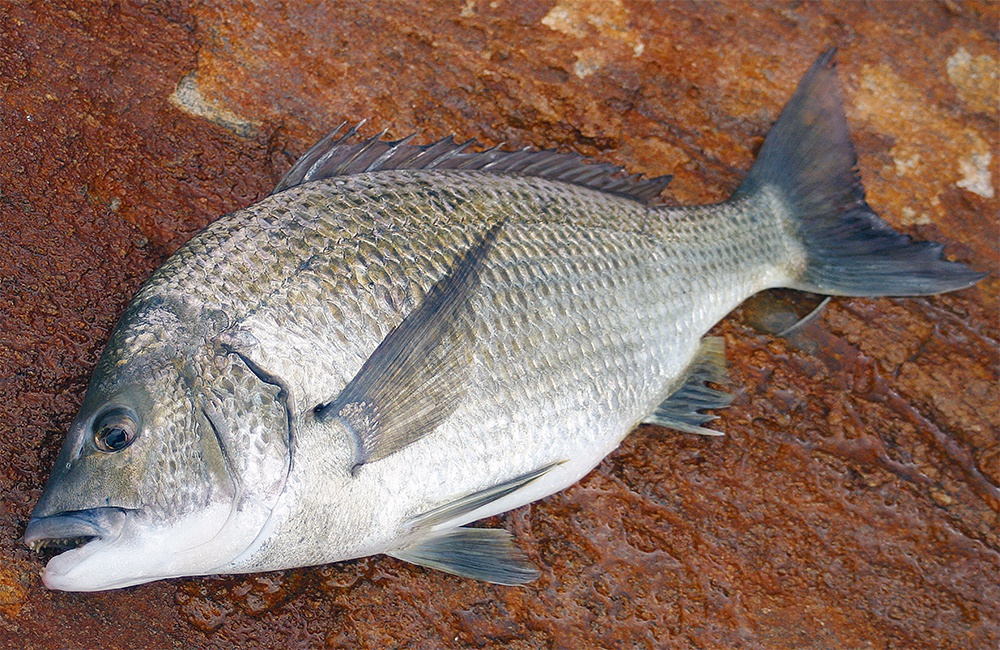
point(479, 553)
point(485, 554)
point(682, 410)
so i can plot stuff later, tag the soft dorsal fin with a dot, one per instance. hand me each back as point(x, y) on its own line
point(682, 410)
point(414, 379)
point(337, 156)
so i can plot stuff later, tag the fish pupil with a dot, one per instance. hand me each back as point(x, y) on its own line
point(115, 439)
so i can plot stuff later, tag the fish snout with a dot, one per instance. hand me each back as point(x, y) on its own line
point(72, 529)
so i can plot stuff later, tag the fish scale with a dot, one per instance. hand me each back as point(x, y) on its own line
point(326, 280)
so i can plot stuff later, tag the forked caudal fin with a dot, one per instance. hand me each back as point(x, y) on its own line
point(809, 161)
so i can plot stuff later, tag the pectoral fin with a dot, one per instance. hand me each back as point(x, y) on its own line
point(417, 375)
point(682, 410)
point(479, 553)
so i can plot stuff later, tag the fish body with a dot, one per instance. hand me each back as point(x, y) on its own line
point(571, 338)
point(402, 340)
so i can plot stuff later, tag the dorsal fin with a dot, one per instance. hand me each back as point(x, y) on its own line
point(337, 156)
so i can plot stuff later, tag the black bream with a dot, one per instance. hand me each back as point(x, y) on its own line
point(402, 340)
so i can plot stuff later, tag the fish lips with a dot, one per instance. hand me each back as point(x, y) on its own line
point(80, 532)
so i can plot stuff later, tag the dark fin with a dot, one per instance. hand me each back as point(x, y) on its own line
point(333, 156)
point(809, 159)
point(479, 553)
point(782, 312)
point(681, 410)
point(476, 500)
point(805, 320)
point(413, 380)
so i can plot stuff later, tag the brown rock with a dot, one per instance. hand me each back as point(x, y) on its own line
point(854, 501)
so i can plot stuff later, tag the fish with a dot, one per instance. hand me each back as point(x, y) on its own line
point(404, 339)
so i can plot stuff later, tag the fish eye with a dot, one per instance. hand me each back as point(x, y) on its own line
point(115, 430)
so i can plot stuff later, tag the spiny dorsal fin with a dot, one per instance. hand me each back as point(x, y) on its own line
point(682, 410)
point(479, 553)
point(336, 156)
point(414, 379)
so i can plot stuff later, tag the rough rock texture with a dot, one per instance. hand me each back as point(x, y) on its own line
point(854, 501)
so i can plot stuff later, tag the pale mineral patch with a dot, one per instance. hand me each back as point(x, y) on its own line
point(588, 62)
point(581, 19)
point(561, 19)
point(911, 216)
point(188, 97)
point(929, 142)
point(976, 79)
point(906, 164)
point(975, 172)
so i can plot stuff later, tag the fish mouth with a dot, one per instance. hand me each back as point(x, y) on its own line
point(73, 530)
point(111, 548)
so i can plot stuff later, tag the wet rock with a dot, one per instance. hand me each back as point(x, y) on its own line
point(854, 500)
point(15, 580)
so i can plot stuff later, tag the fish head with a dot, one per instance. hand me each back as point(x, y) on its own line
point(152, 481)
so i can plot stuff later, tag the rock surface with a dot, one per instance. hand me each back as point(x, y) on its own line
point(854, 501)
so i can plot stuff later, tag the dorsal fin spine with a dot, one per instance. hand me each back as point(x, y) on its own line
point(335, 155)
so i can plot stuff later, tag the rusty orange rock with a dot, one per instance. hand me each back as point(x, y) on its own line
point(854, 500)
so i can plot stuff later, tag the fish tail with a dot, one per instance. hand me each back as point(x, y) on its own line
point(809, 163)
